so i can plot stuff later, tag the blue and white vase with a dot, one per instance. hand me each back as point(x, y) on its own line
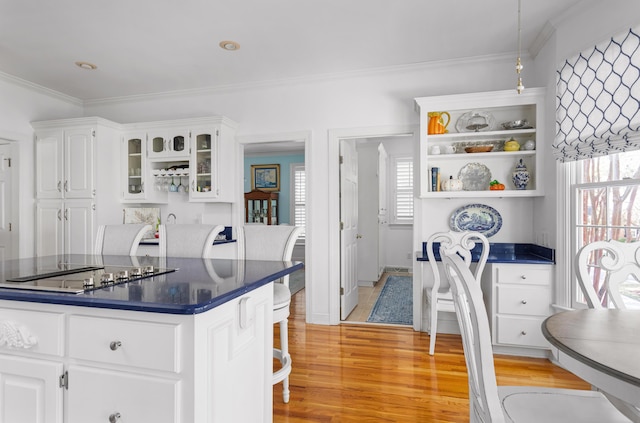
point(520, 176)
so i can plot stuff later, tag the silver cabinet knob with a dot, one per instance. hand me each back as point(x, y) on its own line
point(523, 277)
point(524, 301)
point(114, 417)
point(114, 345)
point(523, 333)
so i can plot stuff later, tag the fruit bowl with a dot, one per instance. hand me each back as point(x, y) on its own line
point(479, 149)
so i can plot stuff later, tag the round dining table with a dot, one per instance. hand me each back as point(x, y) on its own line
point(601, 346)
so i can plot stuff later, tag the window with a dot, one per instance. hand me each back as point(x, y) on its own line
point(298, 195)
point(607, 206)
point(402, 194)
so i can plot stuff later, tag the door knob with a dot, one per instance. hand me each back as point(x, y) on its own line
point(358, 236)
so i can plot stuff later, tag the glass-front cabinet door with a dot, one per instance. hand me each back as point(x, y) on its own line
point(204, 162)
point(135, 166)
point(172, 143)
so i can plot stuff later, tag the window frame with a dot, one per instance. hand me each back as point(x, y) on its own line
point(393, 194)
point(293, 167)
point(576, 183)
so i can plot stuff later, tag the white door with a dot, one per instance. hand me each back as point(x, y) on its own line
point(79, 226)
point(349, 227)
point(49, 177)
point(78, 164)
point(49, 235)
point(383, 214)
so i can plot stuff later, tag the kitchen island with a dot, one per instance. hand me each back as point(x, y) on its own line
point(193, 344)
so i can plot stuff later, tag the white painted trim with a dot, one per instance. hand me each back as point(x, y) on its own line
point(565, 220)
point(14, 209)
point(333, 179)
point(40, 89)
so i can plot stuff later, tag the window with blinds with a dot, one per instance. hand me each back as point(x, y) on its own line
point(402, 207)
point(298, 196)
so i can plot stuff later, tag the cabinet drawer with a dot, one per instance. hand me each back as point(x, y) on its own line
point(523, 300)
point(522, 331)
point(33, 331)
point(147, 345)
point(95, 395)
point(532, 275)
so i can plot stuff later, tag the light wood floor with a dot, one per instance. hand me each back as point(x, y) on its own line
point(373, 373)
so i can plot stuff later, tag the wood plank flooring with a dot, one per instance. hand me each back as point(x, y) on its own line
point(372, 373)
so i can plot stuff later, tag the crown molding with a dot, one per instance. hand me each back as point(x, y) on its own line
point(40, 89)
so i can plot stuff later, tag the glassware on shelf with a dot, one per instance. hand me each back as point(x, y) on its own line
point(173, 187)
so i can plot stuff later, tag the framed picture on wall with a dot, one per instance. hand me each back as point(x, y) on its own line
point(265, 177)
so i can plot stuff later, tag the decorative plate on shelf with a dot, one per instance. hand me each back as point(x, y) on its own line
point(475, 177)
point(477, 218)
point(475, 121)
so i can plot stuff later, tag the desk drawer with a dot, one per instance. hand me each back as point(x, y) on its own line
point(523, 300)
point(141, 344)
point(521, 331)
point(32, 331)
point(518, 274)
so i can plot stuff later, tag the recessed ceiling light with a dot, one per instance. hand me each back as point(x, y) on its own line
point(229, 45)
point(86, 65)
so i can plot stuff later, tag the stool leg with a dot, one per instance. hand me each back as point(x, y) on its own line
point(284, 347)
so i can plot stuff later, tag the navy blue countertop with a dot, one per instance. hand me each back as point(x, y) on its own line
point(503, 252)
point(196, 286)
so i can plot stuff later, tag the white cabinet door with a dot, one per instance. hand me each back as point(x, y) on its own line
point(165, 143)
point(134, 168)
point(79, 227)
point(78, 163)
point(203, 168)
point(49, 171)
point(30, 390)
point(49, 228)
point(97, 395)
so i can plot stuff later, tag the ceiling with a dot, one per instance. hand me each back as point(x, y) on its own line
point(152, 46)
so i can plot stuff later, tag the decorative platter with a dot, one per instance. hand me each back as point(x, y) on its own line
point(475, 121)
point(474, 177)
point(477, 218)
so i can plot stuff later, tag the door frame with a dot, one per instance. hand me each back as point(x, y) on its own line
point(333, 177)
point(13, 214)
point(238, 219)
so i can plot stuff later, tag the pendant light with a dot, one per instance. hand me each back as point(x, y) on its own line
point(519, 66)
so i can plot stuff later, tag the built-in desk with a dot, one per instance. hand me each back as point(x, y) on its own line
point(517, 284)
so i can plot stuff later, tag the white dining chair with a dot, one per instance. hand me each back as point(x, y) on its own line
point(439, 295)
point(122, 240)
point(490, 403)
point(607, 264)
point(269, 242)
point(187, 240)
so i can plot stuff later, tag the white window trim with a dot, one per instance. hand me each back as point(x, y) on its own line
point(392, 193)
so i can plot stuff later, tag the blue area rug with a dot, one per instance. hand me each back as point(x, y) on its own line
point(395, 303)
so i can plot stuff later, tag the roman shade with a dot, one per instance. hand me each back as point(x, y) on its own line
point(598, 100)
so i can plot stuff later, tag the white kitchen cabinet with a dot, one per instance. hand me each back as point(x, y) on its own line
point(67, 188)
point(168, 143)
point(211, 367)
point(65, 163)
point(497, 107)
point(30, 391)
point(204, 150)
point(518, 298)
point(138, 183)
point(65, 227)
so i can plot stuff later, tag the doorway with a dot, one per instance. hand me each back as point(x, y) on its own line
point(383, 244)
point(289, 152)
